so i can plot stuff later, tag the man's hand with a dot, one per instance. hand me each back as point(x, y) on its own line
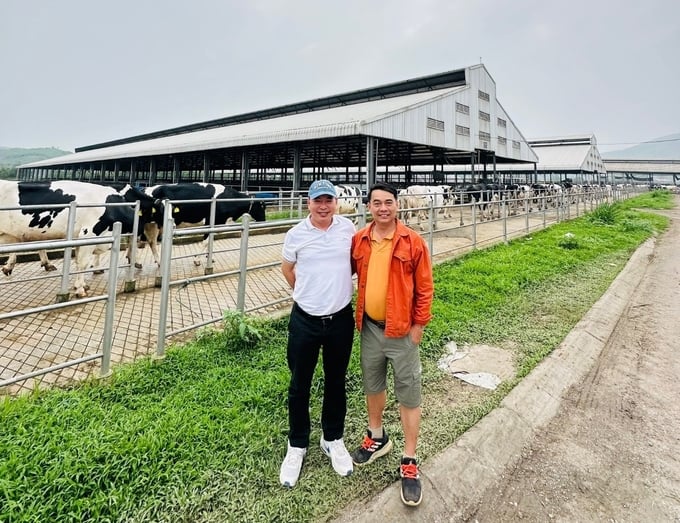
point(417, 333)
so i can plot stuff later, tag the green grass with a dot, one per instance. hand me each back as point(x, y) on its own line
point(199, 436)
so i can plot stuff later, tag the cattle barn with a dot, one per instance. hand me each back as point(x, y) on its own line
point(387, 133)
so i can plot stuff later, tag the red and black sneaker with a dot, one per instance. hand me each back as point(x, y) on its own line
point(411, 490)
point(371, 448)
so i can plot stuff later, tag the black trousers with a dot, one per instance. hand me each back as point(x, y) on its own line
point(307, 336)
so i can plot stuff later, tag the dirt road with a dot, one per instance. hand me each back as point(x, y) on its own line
point(612, 453)
point(592, 434)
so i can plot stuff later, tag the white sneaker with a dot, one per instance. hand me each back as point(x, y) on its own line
point(340, 458)
point(291, 466)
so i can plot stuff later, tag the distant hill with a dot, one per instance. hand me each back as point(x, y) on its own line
point(664, 148)
point(13, 156)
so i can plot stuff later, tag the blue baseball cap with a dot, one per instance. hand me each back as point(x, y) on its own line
point(321, 188)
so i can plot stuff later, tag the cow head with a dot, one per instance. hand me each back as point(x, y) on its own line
point(150, 209)
point(257, 210)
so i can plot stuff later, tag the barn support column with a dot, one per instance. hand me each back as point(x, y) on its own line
point(297, 169)
point(206, 168)
point(535, 180)
point(133, 173)
point(116, 170)
point(101, 172)
point(175, 170)
point(245, 170)
point(152, 172)
point(472, 168)
point(371, 161)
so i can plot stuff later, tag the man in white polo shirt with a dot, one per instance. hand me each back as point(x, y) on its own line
point(316, 264)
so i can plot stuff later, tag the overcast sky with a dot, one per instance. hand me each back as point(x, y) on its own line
point(79, 72)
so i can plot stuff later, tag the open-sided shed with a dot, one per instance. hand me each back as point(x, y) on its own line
point(380, 132)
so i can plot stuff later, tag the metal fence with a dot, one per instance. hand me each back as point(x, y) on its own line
point(62, 342)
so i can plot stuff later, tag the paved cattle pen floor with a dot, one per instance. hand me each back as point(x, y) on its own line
point(46, 339)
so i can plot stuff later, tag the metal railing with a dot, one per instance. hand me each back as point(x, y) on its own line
point(467, 223)
point(114, 242)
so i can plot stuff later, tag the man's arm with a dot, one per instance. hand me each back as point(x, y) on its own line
point(288, 270)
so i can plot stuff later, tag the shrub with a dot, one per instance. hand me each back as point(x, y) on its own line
point(240, 331)
point(633, 225)
point(569, 241)
point(605, 214)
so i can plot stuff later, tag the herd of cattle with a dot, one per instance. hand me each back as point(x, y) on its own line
point(487, 199)
point(34, 211)
point(38, 211)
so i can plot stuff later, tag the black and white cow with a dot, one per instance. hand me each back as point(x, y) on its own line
point(27, 225)
point(415, 200)
point(487, 197)
point(349, 198)
point(230, 203)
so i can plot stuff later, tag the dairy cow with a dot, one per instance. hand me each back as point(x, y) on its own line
point(486, 196)
point(416, 199)
point(349, 198)
point(35, 224)
point(230, 204)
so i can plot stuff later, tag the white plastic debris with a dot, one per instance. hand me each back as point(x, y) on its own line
point(480, 379)
point(445, 361)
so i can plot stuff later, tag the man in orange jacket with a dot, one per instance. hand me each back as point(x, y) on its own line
point(394, 300)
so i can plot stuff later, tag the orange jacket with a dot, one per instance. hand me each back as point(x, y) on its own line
point(410, 287)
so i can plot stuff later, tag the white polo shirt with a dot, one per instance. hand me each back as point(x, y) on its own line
point(323, 272)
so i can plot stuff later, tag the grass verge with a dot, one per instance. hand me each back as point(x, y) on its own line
point(200, 435)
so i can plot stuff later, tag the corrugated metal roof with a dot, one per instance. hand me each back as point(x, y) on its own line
point(642, 166)
point(324, 123)
point(435, 116)
point(569, 157)
point(401, 88)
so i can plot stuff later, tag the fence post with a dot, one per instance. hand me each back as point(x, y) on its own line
point(505, 221)
point(433, 215)
point(209, 269)
point(526, 214)
point(110, 302)
point(433, 223)
point(243, 265)
point(166, 256)
point(474, 223)
point(362, 215)
point(130, 283)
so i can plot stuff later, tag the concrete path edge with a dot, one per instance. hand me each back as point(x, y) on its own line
point(455, 480)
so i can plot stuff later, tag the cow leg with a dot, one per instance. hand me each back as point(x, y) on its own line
point(9, 264)
point(97, 263)
point(152, 232)
point(198, 257)
point(45, 262)
point(84, 259)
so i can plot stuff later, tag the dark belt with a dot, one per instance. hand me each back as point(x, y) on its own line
point(379, 324)
point(346, 308)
